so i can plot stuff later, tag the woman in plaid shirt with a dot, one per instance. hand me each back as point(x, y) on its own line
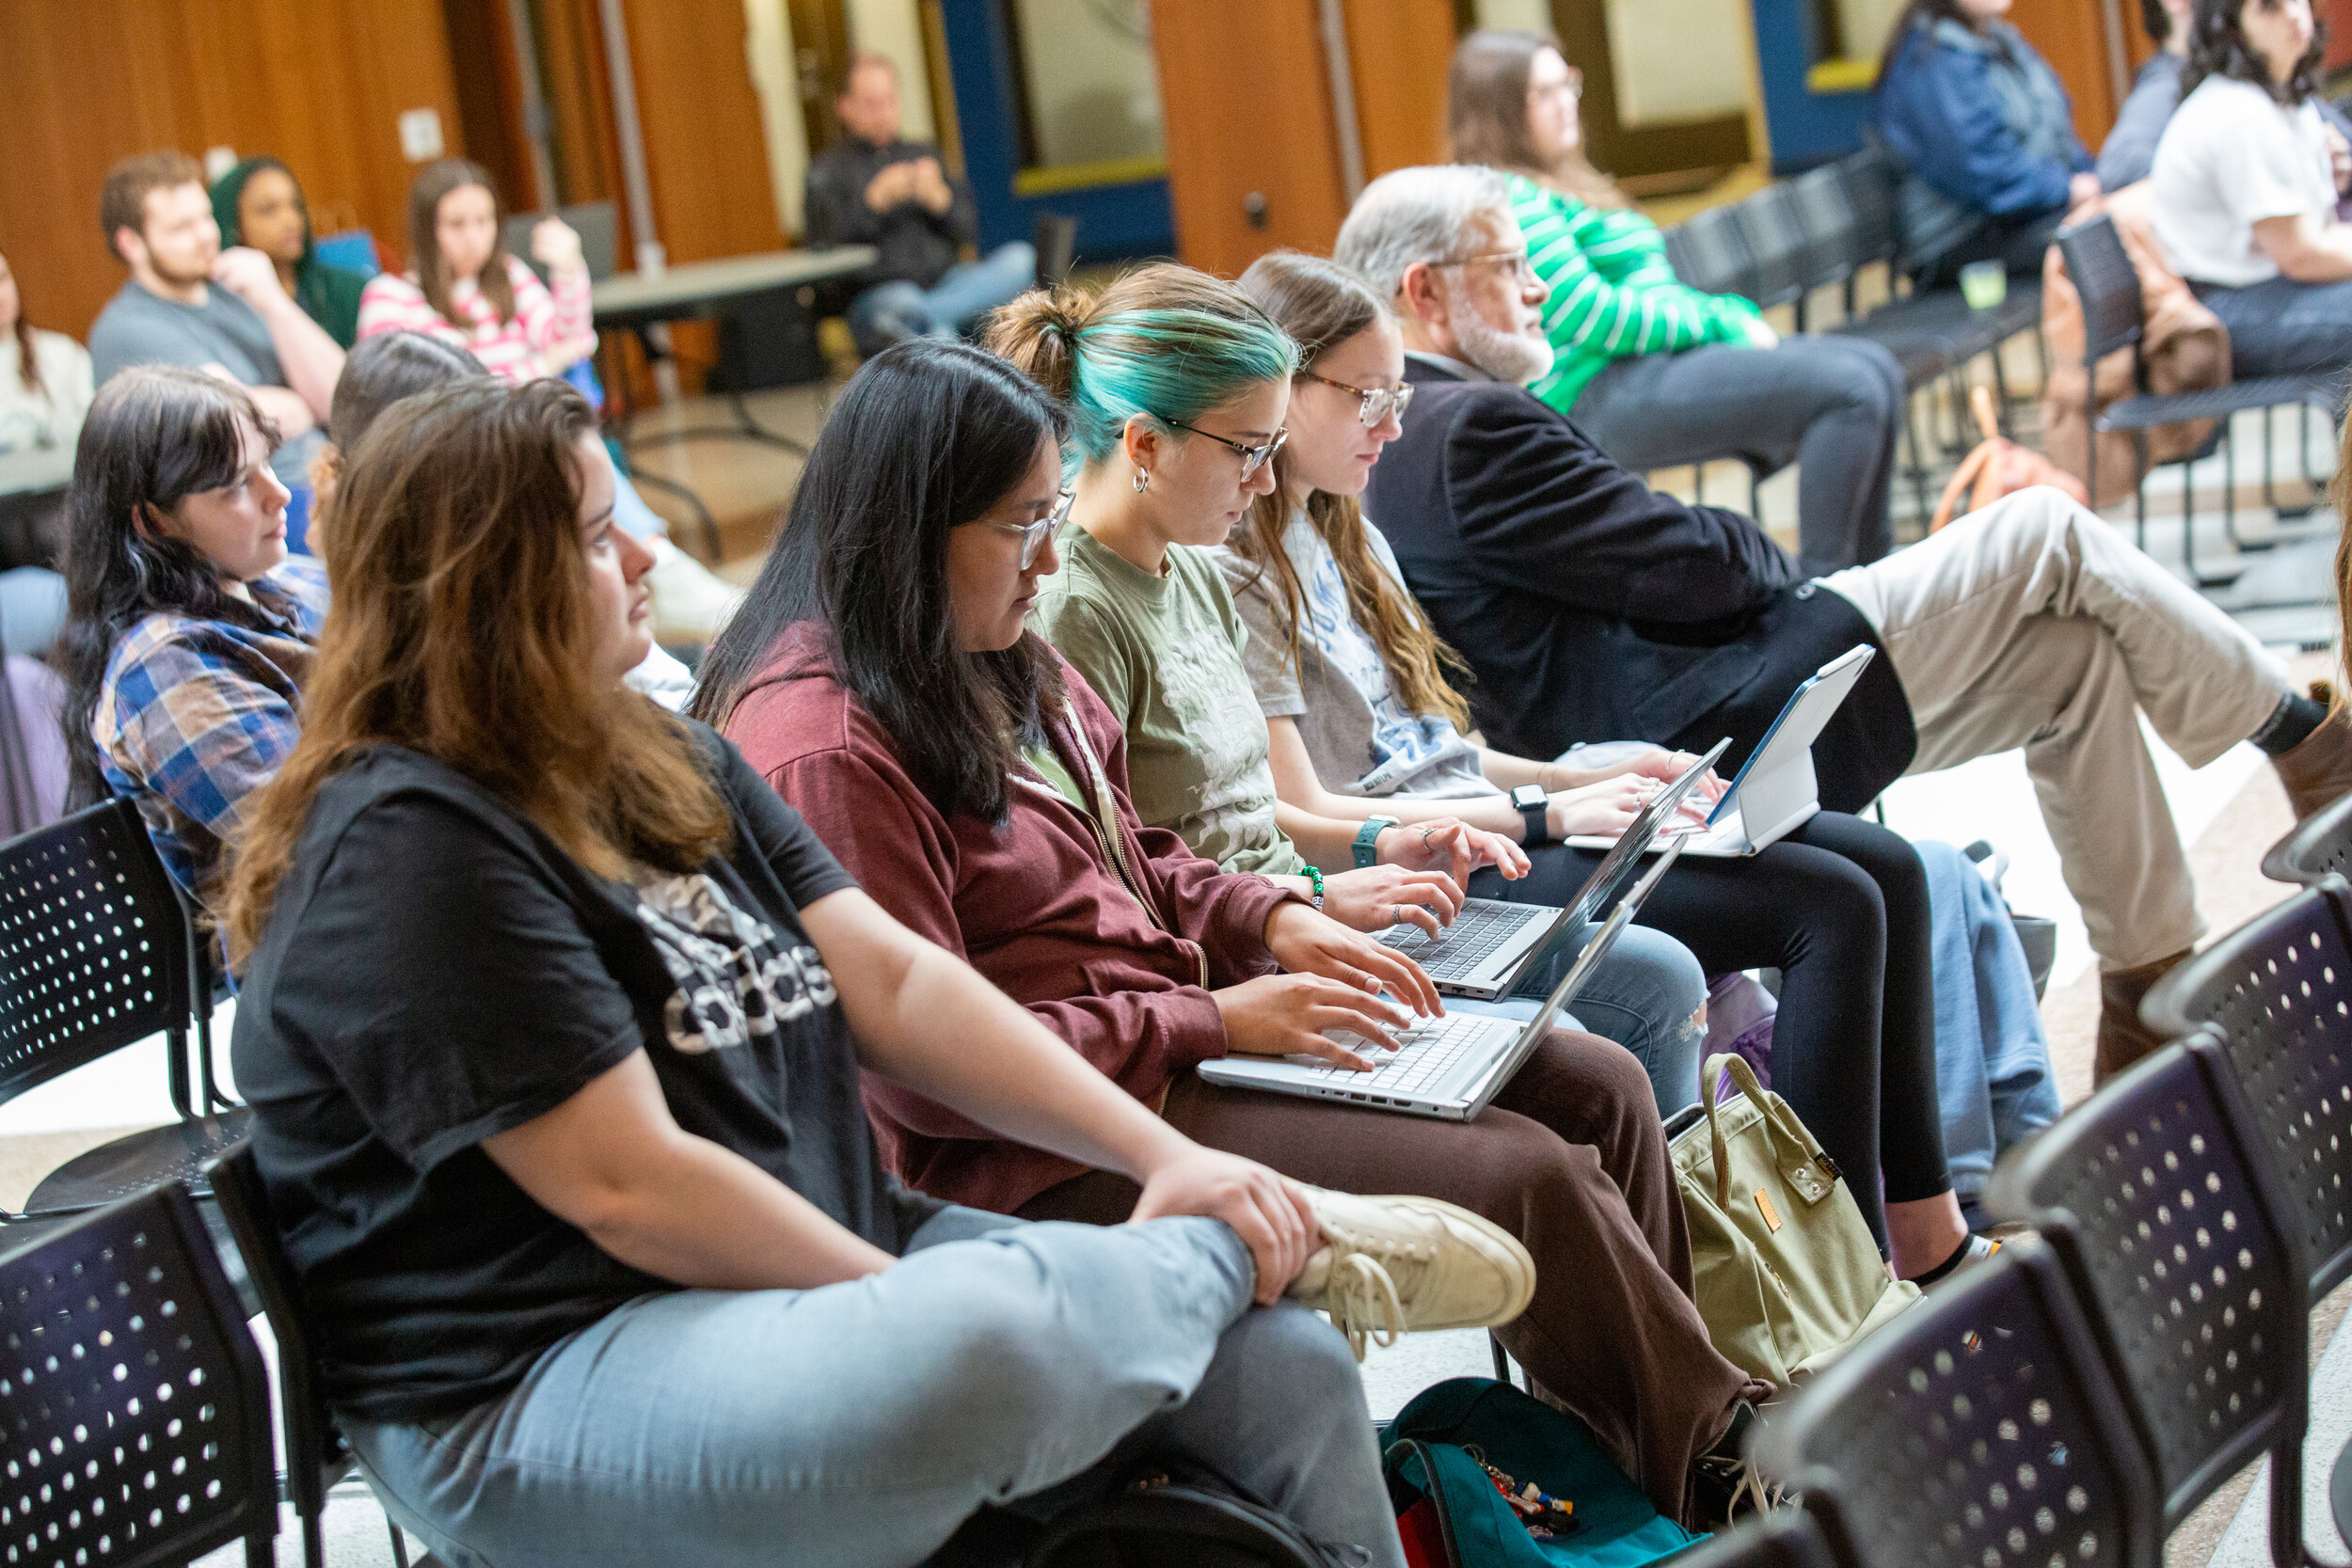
point(189, 629)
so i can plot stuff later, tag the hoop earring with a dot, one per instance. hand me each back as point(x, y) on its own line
point(1143, 480)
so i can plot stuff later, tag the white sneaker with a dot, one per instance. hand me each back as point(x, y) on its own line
point(1397, 1263)
point(690, 603)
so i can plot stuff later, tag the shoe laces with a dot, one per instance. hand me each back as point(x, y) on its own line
point(1745, 1487)
point(1361, 1294)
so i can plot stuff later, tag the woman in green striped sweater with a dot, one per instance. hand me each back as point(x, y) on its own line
point(1655, 372)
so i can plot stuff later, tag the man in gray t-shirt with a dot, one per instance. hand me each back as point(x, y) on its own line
point(187, 302)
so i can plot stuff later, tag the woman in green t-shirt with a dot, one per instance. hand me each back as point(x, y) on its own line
point(1655, 372)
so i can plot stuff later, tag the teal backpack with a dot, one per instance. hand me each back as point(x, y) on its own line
point(1452, 1512)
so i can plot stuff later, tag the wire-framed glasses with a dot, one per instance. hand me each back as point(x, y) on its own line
point(1252, 457)
point(1033, 536)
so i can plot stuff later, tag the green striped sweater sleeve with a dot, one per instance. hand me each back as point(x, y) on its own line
point(1613, 294)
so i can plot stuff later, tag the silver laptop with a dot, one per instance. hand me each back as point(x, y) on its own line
point(1491, 943)
point(1774, 793)
point(1448, 1068)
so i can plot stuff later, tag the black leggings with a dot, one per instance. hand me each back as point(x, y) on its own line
point(1840, 907)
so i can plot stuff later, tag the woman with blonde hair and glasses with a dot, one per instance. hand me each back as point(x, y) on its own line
point(1362, 720)
point(1657, 372)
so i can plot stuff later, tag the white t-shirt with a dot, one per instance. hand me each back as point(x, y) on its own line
point(2232, 156)
point(53, 416)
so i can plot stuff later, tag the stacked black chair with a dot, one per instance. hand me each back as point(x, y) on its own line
point(2276, 996)
point(1833, 238)
point(316, 1455)
point(1055, 237)
point(97, 953)
point(2165, 1216)
point(2320, 845)
point(1708, 254)
point(1980, 1430)
point(2102, 275)
point(1779, 252)
point(133, 1406)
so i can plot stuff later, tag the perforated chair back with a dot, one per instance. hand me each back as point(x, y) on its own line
point(1774, 233)
point(134, 1408)
point(2104, 276)
point(2320, 845)
point(95, 951)
point(310, 1432)
point(1870, 179)
point(1833, 239)
point(1979, 1430)
point(2277, 996)
point(1707, 254)
point(2166, 1214)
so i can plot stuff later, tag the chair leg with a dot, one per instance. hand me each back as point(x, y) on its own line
point(2000, 398)
point(1502, 1363)
point(2286, 1500)
point(313, 1543)
point(1918, 463)
point(2229, 494)
point(2270, 487)
point(400, 1545)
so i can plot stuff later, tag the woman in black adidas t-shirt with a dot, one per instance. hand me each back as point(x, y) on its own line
point(551, 1024)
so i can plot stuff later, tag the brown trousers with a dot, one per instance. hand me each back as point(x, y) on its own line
point(1572, 1160)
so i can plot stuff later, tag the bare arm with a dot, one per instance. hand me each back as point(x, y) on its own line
point(613, 1162)
point(312, 360)
point(2309, 247)
point(284, 406)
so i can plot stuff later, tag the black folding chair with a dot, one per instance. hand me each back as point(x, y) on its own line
point(2276, 995)
point(316, 1455)
point(2319, 845)
point(1055, 237)
point(1783, 1539)
point(1708, 254)
point(2102, 275)
point(2165, 1213)
point(1774, 232)
point(1979, 1428)
point(97, 953)
point(596, 223)
point(1834, 249)
point(133, 1399)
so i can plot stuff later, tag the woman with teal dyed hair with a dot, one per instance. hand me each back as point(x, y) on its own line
point(258, 203)
point(1177, 386)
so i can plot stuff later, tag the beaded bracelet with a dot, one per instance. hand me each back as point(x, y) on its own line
point(1315, 877)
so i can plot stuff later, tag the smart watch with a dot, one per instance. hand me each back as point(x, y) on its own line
point(1368, 840)
point(1535, 806)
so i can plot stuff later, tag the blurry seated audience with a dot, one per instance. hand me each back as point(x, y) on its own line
point(464, 287)
point(45, 383)
point(258, 203)
point(1657, 373)
point(1354, 688)
point(883, 678)
point(552, 1021)
point(1142, 611)
point(189, 303)
point(191, 630)
point(2246, 184)
point(1985, 134)
point(1588, 605)
point(2129, 153)
point(875, 187)
point(394, 365)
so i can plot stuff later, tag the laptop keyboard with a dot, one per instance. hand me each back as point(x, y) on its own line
point(1483, 926)
point(1426, 1052)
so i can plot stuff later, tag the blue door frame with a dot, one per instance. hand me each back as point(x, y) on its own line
point(1130, 219)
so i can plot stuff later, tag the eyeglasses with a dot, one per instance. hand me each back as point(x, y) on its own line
point(1033, 536)
point(1572, 84)
point(1252, 457)
point(1379, 401)
point(1521, 268)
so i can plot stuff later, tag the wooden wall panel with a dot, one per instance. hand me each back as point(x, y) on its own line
point(705, 151)
point(1247, 102)
point(2071, 36)
point(1397, 54)
point(319, 82)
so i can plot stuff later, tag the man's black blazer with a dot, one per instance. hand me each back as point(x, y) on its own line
point(1592, 607)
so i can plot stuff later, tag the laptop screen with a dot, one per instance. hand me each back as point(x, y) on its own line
point(1617, 866)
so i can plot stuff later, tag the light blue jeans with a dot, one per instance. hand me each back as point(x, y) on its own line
point(887, 312)
point(1646, 996)
point(859, 1424)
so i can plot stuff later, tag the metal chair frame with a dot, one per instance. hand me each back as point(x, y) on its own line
point(2319, 847)
point(2113, 316)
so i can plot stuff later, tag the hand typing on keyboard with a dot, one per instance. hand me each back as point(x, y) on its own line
point(1308, 1015)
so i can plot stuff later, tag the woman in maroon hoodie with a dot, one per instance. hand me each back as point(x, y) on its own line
point(881, 678)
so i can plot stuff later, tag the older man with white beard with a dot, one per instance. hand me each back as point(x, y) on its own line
point(1592, 607)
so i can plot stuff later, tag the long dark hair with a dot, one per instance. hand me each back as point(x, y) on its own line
point(155, 436)
point(1919, 14)
point(28, 368)
point(928, 435)
point(2218, 46)
point(434, 182)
